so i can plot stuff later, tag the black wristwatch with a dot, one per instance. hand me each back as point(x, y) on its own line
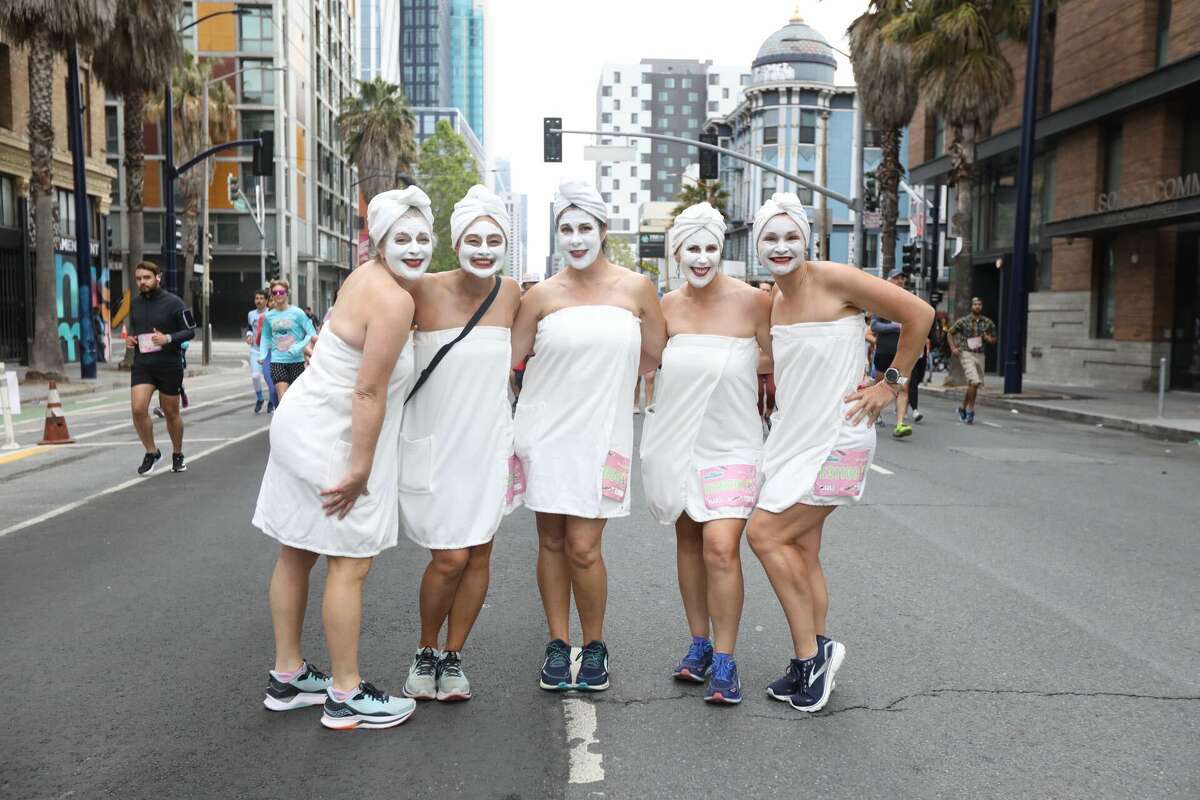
point(892, 377)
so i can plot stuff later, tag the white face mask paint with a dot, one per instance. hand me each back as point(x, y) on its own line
point(409, 247)
point(700, 257)
point(781, 245)
point(482, 248)
point(578, 238)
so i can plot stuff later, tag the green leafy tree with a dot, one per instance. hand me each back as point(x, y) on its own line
point(691, 193)
point(380, 135)
point(48, 28)
point(619, 252)
point(964, 78)
point(446, 170)
point(887, 89)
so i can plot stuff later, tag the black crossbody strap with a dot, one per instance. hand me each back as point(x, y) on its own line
point(471, 323)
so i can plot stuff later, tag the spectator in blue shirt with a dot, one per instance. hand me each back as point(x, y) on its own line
point(286, 330)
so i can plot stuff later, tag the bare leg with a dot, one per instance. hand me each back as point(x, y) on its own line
point(901, 407)
point(589, 577)
point(342, 614)
point(772, 537)
point(139, 405)
point(438, 585)
point(649, 380)
point(170, 407)
point(289, 600)
point(809, 548)
point(723, 566)
point(280, 388)
point(554, 574)
point(472, 590)
point(689, 560)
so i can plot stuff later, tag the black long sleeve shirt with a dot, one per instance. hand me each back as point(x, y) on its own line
point(164, 312)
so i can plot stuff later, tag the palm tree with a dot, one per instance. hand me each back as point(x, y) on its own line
point(48, 27)
point(190, 139)
point(693, 192)
point(136, 59)
point(964, 78)
point(379, 131)
point(887, 89)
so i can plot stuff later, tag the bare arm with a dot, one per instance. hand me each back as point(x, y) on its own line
point(524, 328)
point(763, 303)
point(385, 337)
point(654, 326)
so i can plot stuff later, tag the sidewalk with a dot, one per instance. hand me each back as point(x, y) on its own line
point(1113, 408)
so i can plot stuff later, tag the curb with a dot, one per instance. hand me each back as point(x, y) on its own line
point(1070, 415)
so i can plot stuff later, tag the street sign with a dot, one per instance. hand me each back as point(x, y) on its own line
point(610, 152)
point(935, 298)
point(652, 245)
point(872, 219)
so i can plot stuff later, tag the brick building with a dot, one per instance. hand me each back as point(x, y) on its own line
point(1115, 234)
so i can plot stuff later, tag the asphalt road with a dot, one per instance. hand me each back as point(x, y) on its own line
point(1019, 602)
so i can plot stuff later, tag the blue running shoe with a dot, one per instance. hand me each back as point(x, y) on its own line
point(367, 708)
point(817, 677)
point(724, 686)
point(556, 669)
point(593, 669)
point(962, 414)
point(694, 666)
point(970, 417)
point(784, 687)
point(304, 690)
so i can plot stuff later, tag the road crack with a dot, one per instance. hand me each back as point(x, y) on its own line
point(640, 701)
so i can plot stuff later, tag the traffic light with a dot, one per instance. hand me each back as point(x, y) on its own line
point(552, 139)
point(231, 187)
point(108, 239)
point(911, 257)
point(708, 158)
point(272, 266)
point(870, 192)
point(178, 235)
point(264, 154)
point(208, 243)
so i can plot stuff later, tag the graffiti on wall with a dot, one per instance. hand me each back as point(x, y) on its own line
point(70, 303)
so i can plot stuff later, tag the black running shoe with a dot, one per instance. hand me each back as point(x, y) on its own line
point(148, 462)
point(817, 674)
point(556, 669)
point(784, 687)
point(593, 669)
point(177, 464)
point(258, 404)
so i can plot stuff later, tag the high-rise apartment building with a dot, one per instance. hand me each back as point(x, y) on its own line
point(379, 40)
point(441, 56)
point(656, 96)
point(517, 206)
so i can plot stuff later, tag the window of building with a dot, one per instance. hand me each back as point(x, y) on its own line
point(616, 183)
point(8, 202)
point(693, 123)
point(606, 117)
point(1106, 290)
point(939, 135)
point(871, 252)
point(633, 197)
point(668, 109)
point(808, 127)
point(1112, 159)
point(803, 192)
point(661, 147)
point(724, 94)
point(664, 97)
point(645, 77)
point(872, 136)
point(605, 140)
point(6, 83)
point(605, 171)
point(770, 134)
point(111, 138)
point(616, 77)
point(669, 161)
point(633, 118)
point(606, 91)
point(257, 121)
point(668, 188)
point(1163, 38)
point(645, 186)
point(663, 124)
point(633, 91)
point(616, 105)
point(115, 194)
point(607, 196)
point(713, 79)
point(661, 175)
point(693, 97)
point(633, 170)
point(646, 105)
point(768, 186)
point(152, 229)
point(745, 80)
point(226, 230)
point(254, 29)
point(713, 105)
point(669, 83)
point(258, 85)
point(685, 110)
point(186, 17)
point(646, 158)
point(685, 83)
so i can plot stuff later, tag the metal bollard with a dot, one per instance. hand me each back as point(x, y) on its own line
point(1162, 386)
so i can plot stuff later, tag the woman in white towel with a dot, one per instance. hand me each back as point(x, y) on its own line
point(702, 442)
point(593, 328)
point(330, 484)
point(457, 477)
point(822, 438)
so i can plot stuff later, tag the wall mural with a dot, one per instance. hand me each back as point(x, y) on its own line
point(69, 303)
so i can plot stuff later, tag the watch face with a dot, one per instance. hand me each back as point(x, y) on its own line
point(891, 375)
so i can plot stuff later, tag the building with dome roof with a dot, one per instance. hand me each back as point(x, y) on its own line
point(794, 115)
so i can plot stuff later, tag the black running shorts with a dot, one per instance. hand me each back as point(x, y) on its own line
point(168, 380)
point(286, 373)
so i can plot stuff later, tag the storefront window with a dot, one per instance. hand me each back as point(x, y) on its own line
point(1106, 295)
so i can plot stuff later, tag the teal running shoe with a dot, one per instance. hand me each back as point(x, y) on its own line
point(367, 708)
point(304, 690)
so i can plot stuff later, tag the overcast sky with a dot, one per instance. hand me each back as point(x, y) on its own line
point(544, 59)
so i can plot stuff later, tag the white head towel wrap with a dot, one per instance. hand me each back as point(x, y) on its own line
point(387, 207)
point(700, 217)
point(583, 196)
point(783, 203)
point(478, 202)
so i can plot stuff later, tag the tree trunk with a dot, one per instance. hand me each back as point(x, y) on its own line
point(887, 176)
point(135, 179)
point(46, 356)
point(962, 153)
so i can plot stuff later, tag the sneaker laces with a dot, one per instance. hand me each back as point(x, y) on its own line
point(557, 656)
point(451, 665)
point(312, 672)
point(372, 693)
point(722, 670)
point(695, 652)
point(593, 657)
point(426, 662)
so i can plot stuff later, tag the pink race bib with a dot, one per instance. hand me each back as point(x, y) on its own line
point(146, 343)
point(516, 480)
point(285, 342)
point(615, 476)
point(842, 474)
point(729, 486)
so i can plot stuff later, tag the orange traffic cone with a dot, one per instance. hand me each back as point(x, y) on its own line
point(55, 431)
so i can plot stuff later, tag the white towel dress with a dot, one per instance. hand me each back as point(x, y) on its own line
point(456, 450)
point(702, 440)
point(310, 452)
point(813, 454)
point(574, 421)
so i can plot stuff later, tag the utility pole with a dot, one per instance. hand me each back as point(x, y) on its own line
point(83, 244)
point(1014, 339)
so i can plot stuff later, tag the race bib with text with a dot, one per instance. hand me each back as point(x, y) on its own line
point(842, 474)
point(615, 476)
point(729, 486)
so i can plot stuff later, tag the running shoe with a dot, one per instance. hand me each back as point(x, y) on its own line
point(148, 462)
point(556, 669)
point(817, 677)
point(158, 412)
point(304, 690)
point(593, 669)
point(901, 430)
point(970, 420)
point(789, 683)
point(366, 708)
point(962, 415)
point(177, 464)
point(695, 665)
point(724, 686)
point(422, 675)
point(917, 416)
point(452, 683)
point(258, 404)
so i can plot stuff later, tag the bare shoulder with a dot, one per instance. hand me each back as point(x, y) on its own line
point(832, 273)
point(393, 300)
point(640, 287)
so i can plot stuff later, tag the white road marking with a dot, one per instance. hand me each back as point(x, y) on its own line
point(58, 512)
point(881, 470)
point(585, 766)
point(132, 442)
point(121, 403)
point(990, 424)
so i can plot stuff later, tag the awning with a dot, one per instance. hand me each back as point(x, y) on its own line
point(1149, 215)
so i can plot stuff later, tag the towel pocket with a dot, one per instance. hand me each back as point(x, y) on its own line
point(416, 465)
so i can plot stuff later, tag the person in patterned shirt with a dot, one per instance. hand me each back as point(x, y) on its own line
point(967, 337)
